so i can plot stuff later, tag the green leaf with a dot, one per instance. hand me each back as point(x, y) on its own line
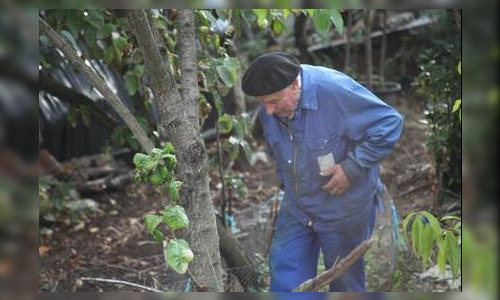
point(74, 22)
point(138, 70)
point(137, 177)
point(427, 244)
point(286, 13)
point(239, 128)
point(337, 20)
point(449, 218)
point(173, 190)
point(459, 68)
point(169, 148)
point(90, 36)
point(225, 124)
point(131, 83)
point(95, 17)
point(321, 20)
point(246, 150)
point(434, 224)
point(178, 255)
point(144, 162)
point(277, 26)
point(405, 225)
point(152, 222)
point(170, 161)
point(454, 253)
point(105, 31)
point(175, 217)
point(157, 177)
point(441, 257)
point(226, 75)
point(109, 55)
point(119, 42)
point(416, 230)
point(457, 105)
point(261, 16)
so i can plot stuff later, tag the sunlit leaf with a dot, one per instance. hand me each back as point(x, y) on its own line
point(175, 217)
point(178, 255)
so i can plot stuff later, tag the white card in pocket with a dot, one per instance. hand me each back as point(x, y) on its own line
point(326, 161)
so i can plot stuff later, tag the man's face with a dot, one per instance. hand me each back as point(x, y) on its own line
point(283, 103)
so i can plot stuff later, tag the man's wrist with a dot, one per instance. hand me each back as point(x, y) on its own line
point(353, 170)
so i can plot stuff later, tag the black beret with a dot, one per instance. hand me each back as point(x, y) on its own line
point(270, 73)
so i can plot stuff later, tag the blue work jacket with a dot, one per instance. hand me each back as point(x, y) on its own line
point(335, 115)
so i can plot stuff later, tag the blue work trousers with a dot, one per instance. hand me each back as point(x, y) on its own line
point(295, 252)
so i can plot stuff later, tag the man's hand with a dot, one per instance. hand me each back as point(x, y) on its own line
point(338, 183)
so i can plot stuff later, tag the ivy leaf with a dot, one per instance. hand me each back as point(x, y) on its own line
point(226, 75)
point(225, 124)
point(119, 42)
point(246, 150)
point(173, 190)
point(105, 31)
point(457, 105)
point(144, 162)
point(152, 222)
point(261, 16)
point(95, 17)
point(337, 20)
point(74, 22)
point(109, 55)
point(169, 148)
point(277, 26)
point(178, 255)
point(131, 83)
point(321, 20)
point(175, 217)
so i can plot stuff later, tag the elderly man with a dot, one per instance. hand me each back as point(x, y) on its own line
point(327, 134)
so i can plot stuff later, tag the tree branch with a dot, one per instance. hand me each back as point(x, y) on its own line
point(320, 281)
point(142, 287)
point(98, 83)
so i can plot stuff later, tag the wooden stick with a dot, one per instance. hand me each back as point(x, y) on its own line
point(320, 281)
point(121, 282)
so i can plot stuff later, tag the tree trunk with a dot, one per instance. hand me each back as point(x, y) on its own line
point(299, 31)
point(347, 62)
point(179, 119)
point(368, 48)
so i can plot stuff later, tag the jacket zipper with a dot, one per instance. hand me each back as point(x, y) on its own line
point(294, 159)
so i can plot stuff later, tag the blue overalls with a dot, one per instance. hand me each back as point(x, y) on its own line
point(339, 116)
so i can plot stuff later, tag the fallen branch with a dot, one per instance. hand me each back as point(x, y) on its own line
point(414, 189)
point(317, 283)
point(142, 287)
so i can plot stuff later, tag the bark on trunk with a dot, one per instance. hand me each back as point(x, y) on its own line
point(179, 118)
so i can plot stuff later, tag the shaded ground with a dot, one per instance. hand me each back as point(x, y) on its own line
point(114, 244)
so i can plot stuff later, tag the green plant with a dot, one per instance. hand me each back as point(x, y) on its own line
point(439, 82)
point(158, 168)
point(427, 233)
